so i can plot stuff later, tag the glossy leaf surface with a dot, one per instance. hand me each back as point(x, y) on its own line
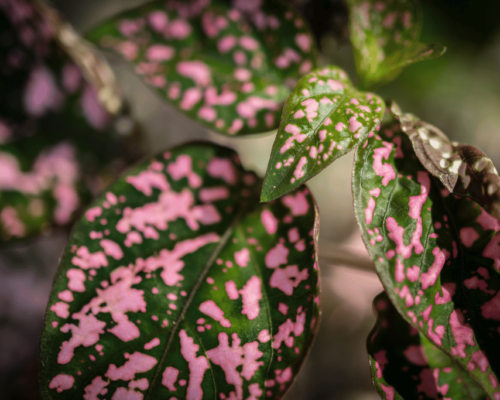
point(177, 283)
point(229, 65)
point(323, 119)
point(437, 255)
point(56, 145)
point(406, 365)
point(385, 37)
point(463, 169)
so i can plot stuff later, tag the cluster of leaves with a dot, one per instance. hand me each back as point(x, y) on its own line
point(179, 255)
point(56, 145)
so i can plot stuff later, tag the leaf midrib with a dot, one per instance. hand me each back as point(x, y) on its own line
point(222, 243)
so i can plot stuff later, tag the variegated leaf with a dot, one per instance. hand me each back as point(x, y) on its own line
point(177, 283)
point(464, 170)
point(323, 119)
point(406, 365)
point(37, 192)
point(385, 37)
point(55, 140)
point(228, 64)
point(437, 255)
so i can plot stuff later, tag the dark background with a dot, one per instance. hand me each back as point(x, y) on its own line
point(459, 93)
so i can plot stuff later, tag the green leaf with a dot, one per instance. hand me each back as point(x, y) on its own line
point(385, 37)
point(177, 283)
point(323, 119)
point(56, 141)
point(406, 365)
point(463, 169)
point(436, 254)
point(229, 65)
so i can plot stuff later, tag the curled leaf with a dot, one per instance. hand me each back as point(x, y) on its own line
point(323, 119)
point(406, 365)
point(463, 169)
point(178, 283)
point(385, 37)
point(437, 254)
point(229, 65)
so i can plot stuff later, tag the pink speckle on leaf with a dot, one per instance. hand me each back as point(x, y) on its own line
point(354, 124)
point(158, 21)
point(153, 343)
point(242, 257)
point(264, 336)
point(182, 168)
point(278, 255)
point(269, 221)
point(226, 43)
point(178, 29)
point(251, 295)
point(229, 358)
point(171, 261)
point(429, 278)
point(111, 249)
point(170, 206)
point(197, 366)
point(222, 168)
point(76, 278)
point(492, 250)
point(209, 195)
point(97, 387)
point(297, 203)
point(335, 85)
point(137, 363)
point(62, 382)
point(85, 260)
point(462, 334)
point(212, 310)
point(231, 290)
point(296, 135)
point(286, 329)
point(283, 308)
point(93, 213)
point(66, 295)
point(491, 308)
point(285, 279)
point(86, 334)
point(386, 171)
point(299, 173)
point(160, 52)
point(303, 41)
point(61, 309)
point(169, 378)
point(198, 71)
point(42, 94)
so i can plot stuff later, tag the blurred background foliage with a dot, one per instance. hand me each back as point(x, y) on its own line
point(459, 93)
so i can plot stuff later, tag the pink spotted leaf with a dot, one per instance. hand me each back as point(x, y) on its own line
point(323, 119)
point(385, 37)
point(437, 255)
point(178, 283)
point(406, 365)
point(230, 65)
point(463, 169)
